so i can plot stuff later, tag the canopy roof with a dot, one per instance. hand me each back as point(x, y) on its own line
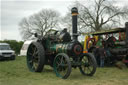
point(102, 32)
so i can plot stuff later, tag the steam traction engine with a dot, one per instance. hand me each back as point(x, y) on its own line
point(120, 48)
point(58, 50)
point(116, 48)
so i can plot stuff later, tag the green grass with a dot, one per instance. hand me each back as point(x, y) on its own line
point(16, 73)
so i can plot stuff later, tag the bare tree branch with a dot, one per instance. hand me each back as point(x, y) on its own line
point(101, 13)
point(39, 23)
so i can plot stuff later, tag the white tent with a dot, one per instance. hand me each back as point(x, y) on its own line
point(24, 48)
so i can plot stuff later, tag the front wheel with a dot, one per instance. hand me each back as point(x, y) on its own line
point(62, 65)
point(88, 64)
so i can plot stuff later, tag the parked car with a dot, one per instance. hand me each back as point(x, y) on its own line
point(6, 52)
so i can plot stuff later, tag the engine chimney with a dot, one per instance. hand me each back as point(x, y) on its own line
point(126, 27)
point(74, 13)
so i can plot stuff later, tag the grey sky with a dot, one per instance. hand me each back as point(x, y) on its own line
point(12, 11)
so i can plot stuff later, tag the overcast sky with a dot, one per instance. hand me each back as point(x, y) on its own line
point(12, 11)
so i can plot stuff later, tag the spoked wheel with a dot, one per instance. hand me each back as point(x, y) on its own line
point(35, 57)
point(88, 64)
point(62, 65)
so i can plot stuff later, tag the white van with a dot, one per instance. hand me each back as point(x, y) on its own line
point(6, 52)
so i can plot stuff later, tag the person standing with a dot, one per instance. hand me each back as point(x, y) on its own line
point(96, 54)
point(102, 56)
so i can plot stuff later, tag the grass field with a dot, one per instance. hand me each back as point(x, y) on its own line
point(16, 73)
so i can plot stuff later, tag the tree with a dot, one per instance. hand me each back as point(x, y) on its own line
point(39, 23)
point(99, 14)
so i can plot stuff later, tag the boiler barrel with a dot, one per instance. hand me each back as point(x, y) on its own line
point(59, 48)
point(121, 43)
point(71, 48)
point(119, 51)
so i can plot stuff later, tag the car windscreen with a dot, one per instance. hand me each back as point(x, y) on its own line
point(5, 47)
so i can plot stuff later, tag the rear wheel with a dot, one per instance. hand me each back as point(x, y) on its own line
point(62, 65)
point(88, 64)
point(35, 57)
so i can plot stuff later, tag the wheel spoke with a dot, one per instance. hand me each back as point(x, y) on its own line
point(30, 61)
point(35, 64)
point(89, 69)
point(30, 54)
point(61, 62)
point(84, 68)
point(33, 67)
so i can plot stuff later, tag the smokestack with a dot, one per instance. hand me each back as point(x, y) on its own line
point(126, 27)
point(74, 13)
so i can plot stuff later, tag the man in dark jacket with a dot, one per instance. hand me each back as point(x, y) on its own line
point(102, 56)
point(97, 56)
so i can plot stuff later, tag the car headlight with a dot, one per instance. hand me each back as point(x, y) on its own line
point(13, 53)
